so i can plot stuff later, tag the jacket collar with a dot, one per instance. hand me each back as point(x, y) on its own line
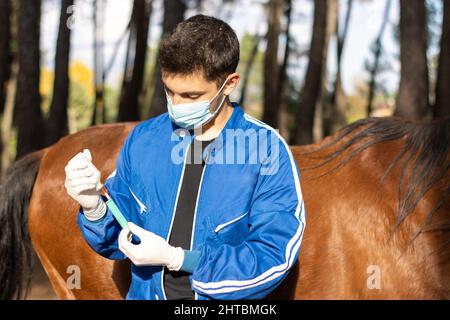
point(218, 143)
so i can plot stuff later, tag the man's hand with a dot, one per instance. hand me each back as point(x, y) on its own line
point(82, 179)
point(152, 251)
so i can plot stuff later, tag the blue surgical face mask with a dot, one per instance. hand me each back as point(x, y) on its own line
point(193, 115)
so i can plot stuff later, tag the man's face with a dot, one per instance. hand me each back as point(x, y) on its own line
point(189, 88)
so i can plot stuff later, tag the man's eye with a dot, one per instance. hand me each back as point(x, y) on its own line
point(191, 97)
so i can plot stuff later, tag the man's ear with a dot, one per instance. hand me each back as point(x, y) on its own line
point(232, 83)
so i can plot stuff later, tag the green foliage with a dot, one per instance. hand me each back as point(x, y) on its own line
point(148, 84)
point(80, 104)
point(254, 94)
point(112, 97)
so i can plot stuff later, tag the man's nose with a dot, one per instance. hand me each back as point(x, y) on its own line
point(176, 100)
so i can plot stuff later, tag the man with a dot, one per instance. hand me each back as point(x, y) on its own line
point(212, 195)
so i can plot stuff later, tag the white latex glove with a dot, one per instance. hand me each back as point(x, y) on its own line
point(82, 184)
point(152, 251)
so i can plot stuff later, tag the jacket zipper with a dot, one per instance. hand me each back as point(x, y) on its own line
point(173, 215)
point(195, 215)
point(196, 207)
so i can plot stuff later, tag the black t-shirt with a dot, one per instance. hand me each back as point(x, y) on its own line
point(176, 284)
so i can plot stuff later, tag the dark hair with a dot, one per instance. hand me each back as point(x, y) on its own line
point(200, 43)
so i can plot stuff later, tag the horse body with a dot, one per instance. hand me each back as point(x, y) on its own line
point(56, 237)
point(349, 238)
point(351, 248)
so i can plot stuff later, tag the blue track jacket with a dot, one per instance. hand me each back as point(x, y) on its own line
point(249, 217)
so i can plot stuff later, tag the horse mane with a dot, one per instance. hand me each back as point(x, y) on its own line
point(426, 148)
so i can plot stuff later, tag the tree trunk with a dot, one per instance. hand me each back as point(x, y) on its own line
point(28, 115)
point(271, 67)
point(323, 110)
point(377, 50)
point(135, 64)
point(99, 116)
point(283, 120)
point(173, 14)
point(412, 98)
point(57, 126)
point(250, 62)
point(312, 87)
point(5, 53)
point(7, 119)
point(442, 107)
point(338, 100)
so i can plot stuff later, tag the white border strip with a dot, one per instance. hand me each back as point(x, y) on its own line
point(223, 225)
point(141, 205)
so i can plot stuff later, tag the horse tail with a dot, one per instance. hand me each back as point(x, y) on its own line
point(15, 245)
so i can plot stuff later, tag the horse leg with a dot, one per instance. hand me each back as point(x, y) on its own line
point(58, 283)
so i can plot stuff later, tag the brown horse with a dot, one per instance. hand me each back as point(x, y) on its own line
point(376, 197)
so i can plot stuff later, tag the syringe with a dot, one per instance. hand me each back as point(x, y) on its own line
point(112, 206)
